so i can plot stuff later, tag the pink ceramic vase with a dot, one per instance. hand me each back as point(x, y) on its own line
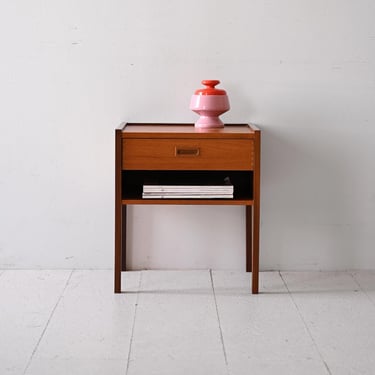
point(209, 103)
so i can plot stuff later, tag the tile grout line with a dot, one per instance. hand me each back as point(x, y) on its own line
point(133, 325)
point(360, 287)
point(218, 319)
point(305, 324)
point(47, 324)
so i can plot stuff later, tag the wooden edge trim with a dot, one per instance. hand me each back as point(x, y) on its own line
point(124, 124)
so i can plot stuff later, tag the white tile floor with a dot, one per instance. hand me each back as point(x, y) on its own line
point(187, 322)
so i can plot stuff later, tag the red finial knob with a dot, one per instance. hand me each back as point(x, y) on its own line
point(210, 88)
point(210, 83)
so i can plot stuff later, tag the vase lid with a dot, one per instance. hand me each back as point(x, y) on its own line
point(210, 88)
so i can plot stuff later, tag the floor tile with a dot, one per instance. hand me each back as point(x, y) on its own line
point(78, 366)
point(279, 367)
point(339, 317)
point(91, 329)
point(28, 299)
point(176, 329)
point(264, 331)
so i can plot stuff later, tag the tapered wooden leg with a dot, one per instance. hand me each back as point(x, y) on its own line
point(118, 249)
point(123, 239)
point(249, 237)
point(255, 252)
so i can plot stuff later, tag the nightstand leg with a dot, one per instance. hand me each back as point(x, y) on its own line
point(249, 236)
point(120, 246)
point(118, 249)
point(255, 253)
point(123, 239)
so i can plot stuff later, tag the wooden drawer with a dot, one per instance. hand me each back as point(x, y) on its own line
point(188, 154)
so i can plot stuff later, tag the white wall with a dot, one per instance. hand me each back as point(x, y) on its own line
point(71, 71)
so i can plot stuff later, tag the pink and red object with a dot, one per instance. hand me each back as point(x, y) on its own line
point(209, 103)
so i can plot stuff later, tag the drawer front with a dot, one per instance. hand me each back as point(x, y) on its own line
point(188, 154)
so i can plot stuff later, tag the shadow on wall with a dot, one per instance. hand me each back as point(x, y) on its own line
point(308, 213)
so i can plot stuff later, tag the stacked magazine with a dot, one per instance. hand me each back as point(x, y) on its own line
point(221, 191)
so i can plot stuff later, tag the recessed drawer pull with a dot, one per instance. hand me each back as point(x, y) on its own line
point(186, 151)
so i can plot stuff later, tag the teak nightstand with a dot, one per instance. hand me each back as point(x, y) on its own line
point(172, 152)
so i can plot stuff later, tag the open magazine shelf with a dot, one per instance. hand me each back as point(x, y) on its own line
point(134, 181)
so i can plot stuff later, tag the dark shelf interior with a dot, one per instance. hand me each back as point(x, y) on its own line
point(133, 181)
